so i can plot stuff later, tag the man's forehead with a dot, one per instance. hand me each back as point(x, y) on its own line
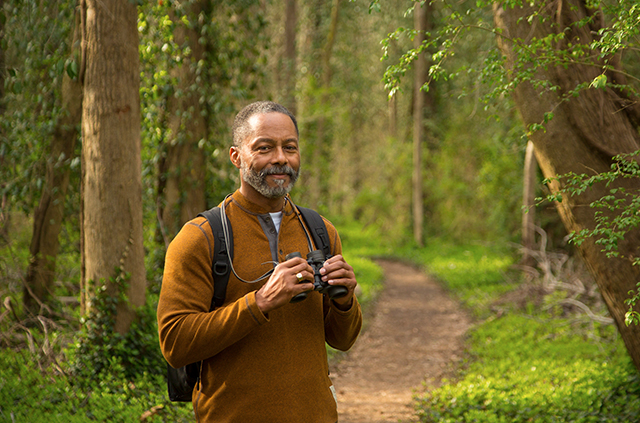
point(270, 118)
point(272, 124)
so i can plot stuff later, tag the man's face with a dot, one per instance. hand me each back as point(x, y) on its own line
point(269, 158)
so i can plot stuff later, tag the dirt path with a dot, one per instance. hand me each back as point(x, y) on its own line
point(414, 336)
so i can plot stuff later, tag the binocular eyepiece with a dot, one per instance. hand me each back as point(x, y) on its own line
point(316, 260)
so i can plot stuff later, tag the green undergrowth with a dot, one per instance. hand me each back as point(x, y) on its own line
point(524, 364)
point(32, 394)
point(66, 375)
point(476, 274)
point(357, 247)
point(534, 370)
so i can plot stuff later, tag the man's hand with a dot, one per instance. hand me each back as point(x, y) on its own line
point(284, 284)
point(336, 271)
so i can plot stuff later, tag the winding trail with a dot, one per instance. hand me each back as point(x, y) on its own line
point(415, 334)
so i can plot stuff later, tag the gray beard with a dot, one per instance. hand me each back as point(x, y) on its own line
point(258, 180)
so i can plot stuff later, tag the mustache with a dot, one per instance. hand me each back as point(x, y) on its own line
point(273, 170)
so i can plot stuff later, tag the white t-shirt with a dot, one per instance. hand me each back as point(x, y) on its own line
point(277, 218)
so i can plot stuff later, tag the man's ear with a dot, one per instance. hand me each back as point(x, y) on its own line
point(234, 156)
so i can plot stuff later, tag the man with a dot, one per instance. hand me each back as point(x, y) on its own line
point(264, 357)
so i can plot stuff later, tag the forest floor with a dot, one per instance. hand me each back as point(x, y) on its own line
point(414, 337)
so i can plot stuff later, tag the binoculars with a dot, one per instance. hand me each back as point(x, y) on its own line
point(316, 259)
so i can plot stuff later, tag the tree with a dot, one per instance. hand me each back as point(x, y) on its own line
point(288, 80)
point(48, 217)
point(585, 124)
point(113, 255)
point(420, 79)
point(183, 169)
point(563, 65)
point(528, 204)
point(4, 216)
point(318, 102)
point(423, 109)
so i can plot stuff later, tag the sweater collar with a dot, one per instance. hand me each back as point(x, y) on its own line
point(254, 208)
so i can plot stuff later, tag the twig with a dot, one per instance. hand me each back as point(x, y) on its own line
point(587, 310)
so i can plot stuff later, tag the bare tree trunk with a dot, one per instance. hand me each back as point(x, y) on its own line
point(528, 203)
point(4, 209)
point(584, 134)
point(184, 167)
point(393, 117)
point(419, 97)
point(321, 148)
point(48, 217)
point(289, 74)
point(112, 181)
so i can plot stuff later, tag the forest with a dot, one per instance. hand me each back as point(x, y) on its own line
point(493, 143)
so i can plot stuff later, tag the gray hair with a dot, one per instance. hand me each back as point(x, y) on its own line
point(241, 127)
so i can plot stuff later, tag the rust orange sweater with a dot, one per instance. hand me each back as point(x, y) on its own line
point(256, 368)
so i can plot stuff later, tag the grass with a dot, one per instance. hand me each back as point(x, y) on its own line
point(527, 370)
point(531, 364)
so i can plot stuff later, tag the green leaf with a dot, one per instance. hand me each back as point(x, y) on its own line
point(72, 69)
point(599, 81)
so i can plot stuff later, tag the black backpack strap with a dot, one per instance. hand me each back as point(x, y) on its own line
point(317, 228)
point(181, 381)
point(221, 266)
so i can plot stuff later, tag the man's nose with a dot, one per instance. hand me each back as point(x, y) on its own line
point(279, 157)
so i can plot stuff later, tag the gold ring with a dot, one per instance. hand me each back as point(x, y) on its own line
point(299, 276)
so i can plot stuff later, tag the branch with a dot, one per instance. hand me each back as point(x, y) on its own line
point(587, 310)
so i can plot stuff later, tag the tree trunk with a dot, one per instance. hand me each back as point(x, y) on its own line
point(584, 134)
point(528, 203)
point(184, 167)
point(47, 219)
point(421, 70)
point(4, 209)
point(320, 141)
point(289, 59)
point(112, 181)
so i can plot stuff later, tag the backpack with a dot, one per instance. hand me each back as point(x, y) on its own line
point(181, 381)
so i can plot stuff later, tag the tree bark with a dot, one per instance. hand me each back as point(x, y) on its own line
point(48, 217)
point(184, 167)
point(320, 148)
point(4, 209)
point(584, 134)
point(419, 102)
point(528, 203)
point(112, 181)
point(289, 59)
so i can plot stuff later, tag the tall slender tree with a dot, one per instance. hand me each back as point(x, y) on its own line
point(113, 254)
point(183, 169)
point(290, 55)
point(528, 204)
point(4, 215)
point(420, 79)
point(48, 216)
point(323, 138)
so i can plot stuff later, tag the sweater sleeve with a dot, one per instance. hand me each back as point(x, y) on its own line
point(188, 331)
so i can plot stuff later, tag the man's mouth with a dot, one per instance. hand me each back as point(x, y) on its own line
point(279, 178)
point(279, 172)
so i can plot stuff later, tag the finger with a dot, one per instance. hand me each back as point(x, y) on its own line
point(302, 287)
point(304, 268)
point(337, 274)
point(336, 262)
point(293, 262)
